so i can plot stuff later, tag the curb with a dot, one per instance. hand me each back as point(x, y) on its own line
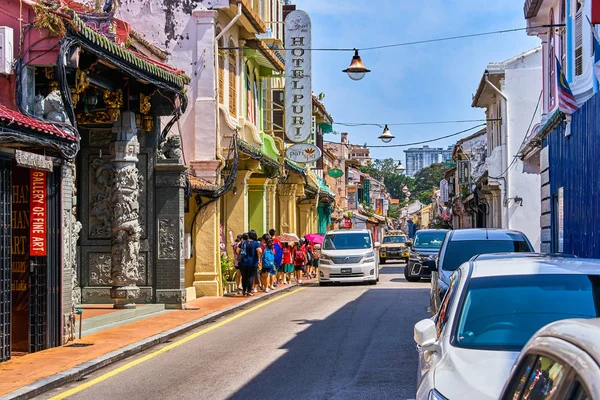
point(88, 367)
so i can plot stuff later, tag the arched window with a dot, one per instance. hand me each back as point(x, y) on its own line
point(221, 72)
point(232, 80)
point(551, 64)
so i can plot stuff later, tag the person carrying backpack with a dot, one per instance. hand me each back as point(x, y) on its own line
point(250, 254)
point(299, 262)
point(268, 264)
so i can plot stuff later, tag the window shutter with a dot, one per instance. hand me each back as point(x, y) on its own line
point(232, 85)
point(221, 77)
point(579, 43)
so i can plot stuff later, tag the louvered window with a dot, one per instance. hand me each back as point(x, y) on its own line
point(551, 64)
point(579, 43)
point(232, 84)
point(222, 76)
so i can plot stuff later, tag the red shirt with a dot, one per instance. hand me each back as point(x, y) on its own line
point(287, 256)
point(277, 241)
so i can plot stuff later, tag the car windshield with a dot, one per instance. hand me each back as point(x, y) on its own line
point(461, 251)
point(346, 241)
point(503, 312)
point(394, 239)
point(431, 240)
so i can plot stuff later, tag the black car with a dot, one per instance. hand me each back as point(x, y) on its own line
point(426, 246)
point(462, 244)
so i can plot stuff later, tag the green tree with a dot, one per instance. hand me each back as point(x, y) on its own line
point(426, 180)
point(385, 171)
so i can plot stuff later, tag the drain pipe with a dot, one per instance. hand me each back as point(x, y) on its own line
point(237, 16)
point(504, 122)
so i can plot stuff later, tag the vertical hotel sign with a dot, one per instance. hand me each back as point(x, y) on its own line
point(38, 213)
point(298, 71)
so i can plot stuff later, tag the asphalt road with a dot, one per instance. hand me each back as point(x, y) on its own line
point(335, 342)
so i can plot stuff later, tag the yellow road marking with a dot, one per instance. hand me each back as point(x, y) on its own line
point(171, 346)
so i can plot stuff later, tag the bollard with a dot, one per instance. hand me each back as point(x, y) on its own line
point(79, 312)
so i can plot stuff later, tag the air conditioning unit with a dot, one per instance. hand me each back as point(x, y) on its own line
point(6, 50)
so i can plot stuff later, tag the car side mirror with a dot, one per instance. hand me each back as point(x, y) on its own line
point(431, 264)
point(425, 334)
point(377, 245)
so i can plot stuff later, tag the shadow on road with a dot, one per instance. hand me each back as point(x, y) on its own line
point(363, 350)
point(391, 270)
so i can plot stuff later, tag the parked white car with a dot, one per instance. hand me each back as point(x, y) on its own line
point(349, 255)
point(490, 311)
point(561, 361)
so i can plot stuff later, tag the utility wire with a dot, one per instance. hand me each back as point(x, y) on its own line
point(352, 124)
point(443, 39)
point(524, 139)
point(414, 143)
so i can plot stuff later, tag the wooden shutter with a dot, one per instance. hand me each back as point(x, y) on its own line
point(232, 84)
point(221, 76)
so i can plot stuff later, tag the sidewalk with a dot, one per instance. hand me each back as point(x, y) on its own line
point(38, 372)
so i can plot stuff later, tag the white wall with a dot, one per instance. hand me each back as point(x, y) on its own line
point(522, 86)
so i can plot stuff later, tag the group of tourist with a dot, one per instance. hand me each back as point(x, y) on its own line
point(266, 262)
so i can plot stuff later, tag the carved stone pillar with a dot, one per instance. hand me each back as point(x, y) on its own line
point(126, 228)
point(169, 209)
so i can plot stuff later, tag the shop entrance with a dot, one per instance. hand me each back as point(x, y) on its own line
point(30, 312)
point(5, 259)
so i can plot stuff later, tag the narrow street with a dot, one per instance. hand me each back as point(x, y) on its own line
point(340, 342)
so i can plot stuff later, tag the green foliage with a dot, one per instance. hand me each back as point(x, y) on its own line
point(426, 180)
point(385, 171)
point(394, 211)
point(228, 271)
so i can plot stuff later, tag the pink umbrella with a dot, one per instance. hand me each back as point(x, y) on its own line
point(315, 238)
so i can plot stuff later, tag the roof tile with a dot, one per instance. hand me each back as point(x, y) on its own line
point(10, 117)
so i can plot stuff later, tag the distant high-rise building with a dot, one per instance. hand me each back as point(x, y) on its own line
point(419, 158)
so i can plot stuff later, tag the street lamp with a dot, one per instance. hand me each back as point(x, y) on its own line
point(400, 169)
point(356, 71)
point(386, 136)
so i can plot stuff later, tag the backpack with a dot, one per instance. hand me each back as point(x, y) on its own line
point(278, 254)
point(299, 257)
point(242, 254)
point(268, 259)
point(309, 254)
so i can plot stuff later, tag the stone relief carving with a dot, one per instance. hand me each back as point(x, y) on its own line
point(287, 190)
point(99, 269)
point(167, 238)
point(170, 180)
point(126, 230)
point(101, 181)
point(170, 148)
point(99, 138)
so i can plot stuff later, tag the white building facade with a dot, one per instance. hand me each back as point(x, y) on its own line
point(511, 94)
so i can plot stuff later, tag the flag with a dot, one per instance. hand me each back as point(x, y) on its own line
point(249, 101)
point(596, 50)
point(566, 100)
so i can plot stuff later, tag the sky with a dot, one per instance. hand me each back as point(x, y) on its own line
point(418, 83)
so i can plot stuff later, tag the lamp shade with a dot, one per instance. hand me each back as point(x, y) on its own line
point(386, 136)
point(356, 71)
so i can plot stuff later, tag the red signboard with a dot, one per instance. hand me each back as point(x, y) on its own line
point(347, 223)
point(38, 214)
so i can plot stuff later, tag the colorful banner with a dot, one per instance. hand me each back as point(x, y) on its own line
point(38, 236)
point(367, 192)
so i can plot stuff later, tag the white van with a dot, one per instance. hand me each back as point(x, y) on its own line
point(349, 255)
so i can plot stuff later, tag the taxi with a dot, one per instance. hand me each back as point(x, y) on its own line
point(394, 247)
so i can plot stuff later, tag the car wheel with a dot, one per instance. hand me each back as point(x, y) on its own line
point(373, 282)
point(409, 277)
point(324, 283)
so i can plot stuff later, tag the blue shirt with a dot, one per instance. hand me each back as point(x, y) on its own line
point(251, 258)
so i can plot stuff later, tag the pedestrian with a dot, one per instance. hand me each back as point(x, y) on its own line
point(309, 258)
point(275, 273)
point(236, 260)
point(288, 267)
point(299, 262)
point(317, 257)
point(250, 254)
point(268, 264)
